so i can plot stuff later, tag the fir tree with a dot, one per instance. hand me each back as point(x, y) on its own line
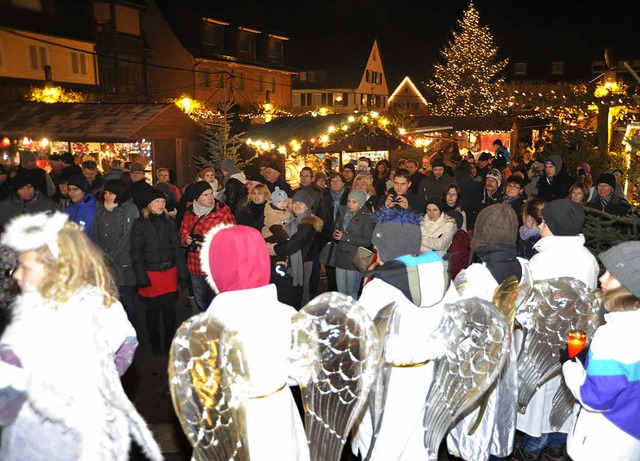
point(468, 82)
point(220, 143)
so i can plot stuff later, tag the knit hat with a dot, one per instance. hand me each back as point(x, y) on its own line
point(20, 180)
point(556, 161)
point(277, 195)
point(437, 202)
point(495, 174)
point(154, 193)
point(564, 217)
point(495, 224)
point(607, 178)
point(349, 166)
point(436, 162)
point(198, 188)
point(585, 167)
point(497, 142)
point(274, 166)
point(234, 257)
point(623, 262)
point(67, 157)
point(302, 196)
point(80, 182)
point(485, 156)
point(229, 166)
point(359, 196)
point(397, 233)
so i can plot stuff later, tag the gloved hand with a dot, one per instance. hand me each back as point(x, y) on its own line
point(564, 354)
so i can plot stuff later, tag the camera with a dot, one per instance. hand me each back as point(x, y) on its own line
point(395, 198)
point(193, 246)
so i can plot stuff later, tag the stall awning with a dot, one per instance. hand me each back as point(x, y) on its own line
point(95, 122)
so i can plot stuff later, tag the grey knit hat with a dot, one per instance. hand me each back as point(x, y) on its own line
point(277, 195)
point(495, 224)
point(397, 233)
point(229, 166)
point(359, 196)
point(623, 262)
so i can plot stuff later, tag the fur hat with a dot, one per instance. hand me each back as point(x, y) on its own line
point(154, 193)
point(302, 196)
point(485, 156)
point(607, 178)
point(495, 224)
point(397, 233)
point(32, 231)
point(359, 196)
point(623, 262)
point(197, 189)
point(229, 166)
point(234, 257)
point(277, 195)
point(80, 182)
point(436, 162)
point(495, 174)
point(564, 217)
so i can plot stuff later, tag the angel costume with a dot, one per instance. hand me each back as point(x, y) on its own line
point(496, 430)
point(417, 286)
point(558, 256)
point(60, 392)
point(61, 398)
point(247, 306)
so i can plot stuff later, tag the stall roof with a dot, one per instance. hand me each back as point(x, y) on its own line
point(95, 122)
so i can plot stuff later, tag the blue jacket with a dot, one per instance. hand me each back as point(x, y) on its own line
point(82, 212)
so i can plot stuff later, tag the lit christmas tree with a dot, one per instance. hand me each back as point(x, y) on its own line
point(220, 143)
point(468, 82)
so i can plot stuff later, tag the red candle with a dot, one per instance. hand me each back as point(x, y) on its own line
point(576, 342)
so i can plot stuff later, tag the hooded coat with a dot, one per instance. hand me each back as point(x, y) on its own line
point(558, 186)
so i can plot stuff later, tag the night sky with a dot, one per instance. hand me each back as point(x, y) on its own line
point(411, 33)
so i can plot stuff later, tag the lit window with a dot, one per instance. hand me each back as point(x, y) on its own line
point(37, 57)
point(35, 5)
point(78, 63)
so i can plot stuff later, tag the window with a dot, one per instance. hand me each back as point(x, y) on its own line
point(597, 66)
point(221, 79)
point(296, 99)
point(127, 20)
point(272, 86)
point(238, 80)
point(102, 12)
point(557, 68)
point(367, 76)
point(78, 63)
point(520, 68)
point(259, 83)
point(247, 44)
point(37, 57)
point(275, 49)
point(374, 55)
point(1, 54)
point(311, 76)
point(206, 78)
point(213, 35)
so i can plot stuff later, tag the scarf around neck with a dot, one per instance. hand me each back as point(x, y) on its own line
point(200, 210)
point(296, 262)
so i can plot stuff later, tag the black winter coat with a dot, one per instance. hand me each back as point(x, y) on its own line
point(155, 246)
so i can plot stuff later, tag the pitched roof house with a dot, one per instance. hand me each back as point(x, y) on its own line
point(342, 83)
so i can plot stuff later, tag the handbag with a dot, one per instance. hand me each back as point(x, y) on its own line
point(363, 258)
point(325, 253)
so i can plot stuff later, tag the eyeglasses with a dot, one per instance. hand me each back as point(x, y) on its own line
point(513, 186)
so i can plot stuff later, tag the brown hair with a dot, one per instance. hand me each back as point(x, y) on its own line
point(534, 208)
point(620, 300)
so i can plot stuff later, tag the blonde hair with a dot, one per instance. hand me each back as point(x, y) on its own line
point(366, 179)
point(620, 300)
point(259, 189)
point(79, 263)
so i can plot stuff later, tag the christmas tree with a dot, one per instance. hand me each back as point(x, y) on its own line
point(220, 143)
point(467, 83)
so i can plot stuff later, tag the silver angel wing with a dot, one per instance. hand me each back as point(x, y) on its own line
point(385, 321)
point(473, 337)
point(208, 379)
point(561, 407)
point(335, 356)
point(552, 308)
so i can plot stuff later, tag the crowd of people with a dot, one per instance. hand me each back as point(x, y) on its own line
point(450, 217)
